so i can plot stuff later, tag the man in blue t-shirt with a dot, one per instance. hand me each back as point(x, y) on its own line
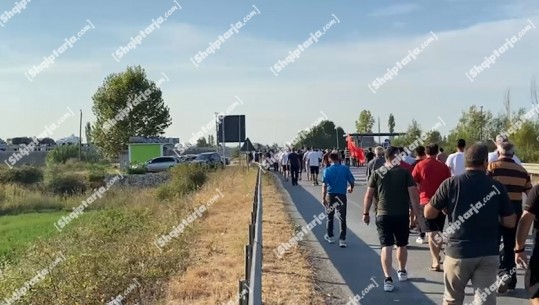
point(335, 180)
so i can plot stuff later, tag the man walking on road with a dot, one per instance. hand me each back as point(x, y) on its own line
point(335, 179)
point(395, 188)
point(284, 162)
point(429, 175)
point(301, 154)
point(529, 217)
point(294, 165)
point(369, 155)
point(455, 161)
point(378, 161)
point(516, 181)
point(442, 156)
point(472, 251)
point(314, 159)
point(493, 156)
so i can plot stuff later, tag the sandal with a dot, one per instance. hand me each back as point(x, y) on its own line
point(435, 268)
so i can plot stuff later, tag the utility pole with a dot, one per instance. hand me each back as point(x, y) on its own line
point(80, 136)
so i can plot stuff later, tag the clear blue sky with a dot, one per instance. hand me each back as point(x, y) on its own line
point(331, 76)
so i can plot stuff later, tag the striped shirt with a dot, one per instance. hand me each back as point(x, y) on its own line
point(512, 175)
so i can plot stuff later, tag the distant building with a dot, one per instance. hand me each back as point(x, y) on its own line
point(72, 139)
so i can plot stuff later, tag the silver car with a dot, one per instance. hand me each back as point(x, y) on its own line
point(161, 164)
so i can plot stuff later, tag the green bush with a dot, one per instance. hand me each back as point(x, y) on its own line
point(62, 154)
point(136, 169)
point(24, 175)
point(66, 185)
point(185, 178)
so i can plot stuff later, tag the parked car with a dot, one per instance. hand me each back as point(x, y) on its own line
point(160, 164)
point(209, 158)
point(187, 158)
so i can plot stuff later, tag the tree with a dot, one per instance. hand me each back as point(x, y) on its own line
point(202, 142)
point(88, 132)
point(365, 122)
point(322, 135)
point(413, 133)
point(211, 140)
point(126, 105)
point(473, 124)
point(391, 123)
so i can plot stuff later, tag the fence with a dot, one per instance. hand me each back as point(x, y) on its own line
point(532, 168)
point(250, 288)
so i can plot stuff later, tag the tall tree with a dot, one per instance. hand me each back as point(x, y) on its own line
point(211, 140)
point(391, 123)
point(88, 132)
point(365, 122)
point(127, 104)
point(202, 142)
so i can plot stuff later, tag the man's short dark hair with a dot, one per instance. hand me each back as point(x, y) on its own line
point(461, 143)
point(432, 149)
point(441, 149)
point(401, 149)
point(333, 156)
point(391, 152)
point(476, 155)
point(420, 151)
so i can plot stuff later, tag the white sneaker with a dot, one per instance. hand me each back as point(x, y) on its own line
point(420, 240)
point(403, 275)
point(388, 286)
point(329, 239)
point(342, 243)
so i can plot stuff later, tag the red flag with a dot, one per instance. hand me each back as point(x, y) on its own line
point(355, 152)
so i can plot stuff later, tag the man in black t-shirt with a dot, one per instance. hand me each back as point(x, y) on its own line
point(301, 154)
point(475, 205)
point(294, 163)
point(531, 213)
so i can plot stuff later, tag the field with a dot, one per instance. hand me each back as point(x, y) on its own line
point(118, 241)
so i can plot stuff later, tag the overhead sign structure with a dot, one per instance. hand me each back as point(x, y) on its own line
point(231, 129)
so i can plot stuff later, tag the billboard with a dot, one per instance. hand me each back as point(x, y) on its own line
point(232, 128)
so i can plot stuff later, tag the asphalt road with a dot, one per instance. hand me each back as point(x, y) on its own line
point(358, 266)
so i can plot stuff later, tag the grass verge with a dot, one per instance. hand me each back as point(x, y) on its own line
point(216, 261)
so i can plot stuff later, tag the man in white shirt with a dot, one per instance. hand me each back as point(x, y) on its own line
point(314, 159)
point(493, 156)
point(284, 163)
point(455, 161)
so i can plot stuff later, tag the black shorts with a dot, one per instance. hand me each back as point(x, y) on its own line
point(532, 275)
point(285, 168)
point(314, 170)
point(437, 224)
point(393, 230)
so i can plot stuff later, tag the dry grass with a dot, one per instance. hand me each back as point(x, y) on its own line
point(289, 280)
point(217, 257)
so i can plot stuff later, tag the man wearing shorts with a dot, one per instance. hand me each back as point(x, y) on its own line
point(429, 175)
point(284, 164)
point(314, 164)
point(531, 213)
point(395, 189)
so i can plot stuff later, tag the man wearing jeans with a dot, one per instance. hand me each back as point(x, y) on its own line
point(335, 179)
point(475, 205)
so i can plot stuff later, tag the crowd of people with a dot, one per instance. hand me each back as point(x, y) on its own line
point(464, 205)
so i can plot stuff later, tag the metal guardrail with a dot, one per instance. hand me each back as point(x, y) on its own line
point(532, 168)
point(250, 289)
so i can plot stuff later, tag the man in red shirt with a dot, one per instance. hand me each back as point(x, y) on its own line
point(429, 175)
